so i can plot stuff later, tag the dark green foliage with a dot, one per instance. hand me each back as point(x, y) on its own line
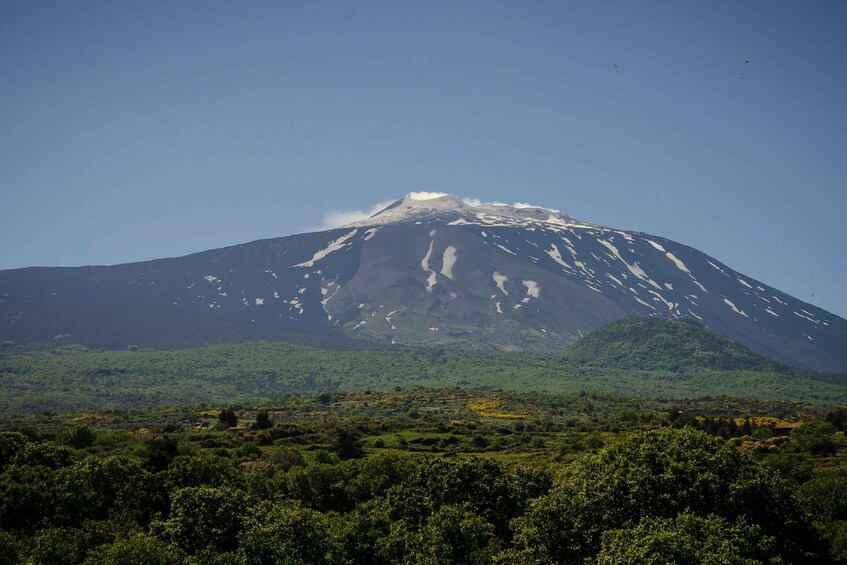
point(67, 546)
point(287, 533)
point(25, 497)
point(9, 552)
point(263, 420)
point(654, 344)
point(494, 492)
point(159, 451)
point(453, 534)
point(687, 540)
point(11, 443)
point(838, 418)
point(347, 445)
point(825, 496)
point(815, 437)
point(363, 537)
point(288, 458)
point(206, 518)
point(228, 418)
point(199, 470)
point(78, 437)
point(47, 455)
point(661, 474)
point(58, 546)
point(194, 493)
point(138, 548)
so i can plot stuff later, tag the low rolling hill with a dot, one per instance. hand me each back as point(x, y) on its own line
point(665, 345)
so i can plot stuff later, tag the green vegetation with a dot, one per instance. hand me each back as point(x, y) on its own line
point(73, 378)
point(665, 345)
point(435, 476)
point(283, 453)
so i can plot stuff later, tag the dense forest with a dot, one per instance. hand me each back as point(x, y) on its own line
point(684, 361)
point(430, 476)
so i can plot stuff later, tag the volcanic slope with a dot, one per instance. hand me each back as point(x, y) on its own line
point(429, 269)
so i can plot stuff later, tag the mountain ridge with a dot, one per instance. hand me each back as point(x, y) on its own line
point(443, 272)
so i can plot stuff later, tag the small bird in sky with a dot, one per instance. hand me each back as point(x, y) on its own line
point(615, 66)
point(747, 61)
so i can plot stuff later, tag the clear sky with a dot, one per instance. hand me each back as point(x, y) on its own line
point(133, 131)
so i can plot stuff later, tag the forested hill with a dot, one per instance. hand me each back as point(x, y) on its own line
point(70, 379)
point(653, 344)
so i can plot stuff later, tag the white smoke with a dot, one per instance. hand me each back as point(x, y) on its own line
point(336, 218)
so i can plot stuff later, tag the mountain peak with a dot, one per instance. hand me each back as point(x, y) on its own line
point(440, 207)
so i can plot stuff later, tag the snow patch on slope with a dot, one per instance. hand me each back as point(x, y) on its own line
point(634, 269)
point(532, 288)
point(556, 255)
point(331, 248)
point(448, 261)
point(735, 309)
point(500, 281)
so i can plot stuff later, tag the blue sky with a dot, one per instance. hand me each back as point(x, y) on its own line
point(132, 131)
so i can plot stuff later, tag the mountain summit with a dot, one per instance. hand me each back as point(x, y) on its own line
point(441, 207)
point(430, 269)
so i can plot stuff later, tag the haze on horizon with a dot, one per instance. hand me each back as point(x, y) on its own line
point(139, 132)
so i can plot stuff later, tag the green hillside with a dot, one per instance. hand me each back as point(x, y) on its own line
point(73, 379)
point(654, 344)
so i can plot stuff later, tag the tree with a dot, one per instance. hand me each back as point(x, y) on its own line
point(486, 487)
point(159, 451)
point(287, 533)
point(60, 546)
point(661, 474)
point(228, 417)
point(263, 420)
point(197, 470)
point(9, 551)
point(454, 535)
point(206, 517)
point(687, 539)
point(139, 548)
point(78, 437)
point(815, 437)
point(347, 445)
point(25, 497)
point(838, 418)
point(364, 537)
point(46, 454)
point(11, 443)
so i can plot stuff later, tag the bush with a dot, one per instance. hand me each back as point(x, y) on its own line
point(287, 458)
